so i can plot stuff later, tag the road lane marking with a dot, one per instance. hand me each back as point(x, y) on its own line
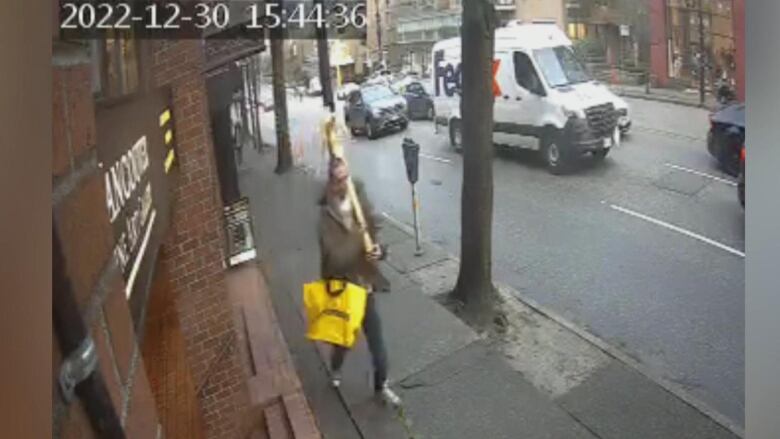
point(438, 159)
point(679, 230)
point(702, 174)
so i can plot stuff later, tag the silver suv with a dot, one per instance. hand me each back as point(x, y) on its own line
point(375, 109)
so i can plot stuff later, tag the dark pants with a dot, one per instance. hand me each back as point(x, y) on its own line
point(372, 327)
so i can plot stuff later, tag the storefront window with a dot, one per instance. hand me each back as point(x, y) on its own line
point(576, 31)
point(701, 41)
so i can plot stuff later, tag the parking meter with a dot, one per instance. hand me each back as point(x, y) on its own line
point(411, 152)
point(411, 159)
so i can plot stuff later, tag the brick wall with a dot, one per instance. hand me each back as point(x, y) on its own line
point(82, 224)
point(192, 253)
point(194, 249)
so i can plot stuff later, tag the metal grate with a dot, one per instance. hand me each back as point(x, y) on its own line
point(240, 237)
point(602, 119)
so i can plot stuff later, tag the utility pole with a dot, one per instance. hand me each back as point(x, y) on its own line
point(284, 159)
point(255, 60)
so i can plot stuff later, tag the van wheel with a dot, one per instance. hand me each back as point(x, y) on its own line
point(456, 135)
point(555, 156)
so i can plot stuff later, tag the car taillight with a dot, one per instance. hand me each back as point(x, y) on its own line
point(742, 154)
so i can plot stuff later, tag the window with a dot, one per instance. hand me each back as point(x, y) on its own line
point(576, 31)
point(116, 65)
point(525, 73)
point(377, 93)
point(560, 67)
point(415, 88)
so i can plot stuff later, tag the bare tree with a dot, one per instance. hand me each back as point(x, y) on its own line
point(284, 159)
point(474, 287)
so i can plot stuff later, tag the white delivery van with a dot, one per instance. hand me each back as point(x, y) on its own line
point(544, 98)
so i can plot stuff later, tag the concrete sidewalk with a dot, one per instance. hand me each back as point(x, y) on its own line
point(537, 380)
point(689, 98)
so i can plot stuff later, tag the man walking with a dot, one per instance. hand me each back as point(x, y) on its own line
point(343, 256)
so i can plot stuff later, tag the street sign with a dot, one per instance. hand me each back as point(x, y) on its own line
point(625, 30)
point(137, 157)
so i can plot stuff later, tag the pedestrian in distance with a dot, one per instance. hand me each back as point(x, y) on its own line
point(343, 256)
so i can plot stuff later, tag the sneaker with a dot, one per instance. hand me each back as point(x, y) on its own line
point(388, 396)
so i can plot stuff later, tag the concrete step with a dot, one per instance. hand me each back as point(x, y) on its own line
point(276, 423)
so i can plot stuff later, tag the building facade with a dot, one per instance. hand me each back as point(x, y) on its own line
point(419, 24)
point(418, 31)
point(694, 36)
point(143, 305)
point(672, 41)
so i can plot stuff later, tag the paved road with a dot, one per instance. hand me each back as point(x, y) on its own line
point(643, 250)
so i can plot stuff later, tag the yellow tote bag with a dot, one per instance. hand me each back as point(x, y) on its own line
point(334, 311)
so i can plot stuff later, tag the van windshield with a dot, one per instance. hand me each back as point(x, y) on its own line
point(560, 67)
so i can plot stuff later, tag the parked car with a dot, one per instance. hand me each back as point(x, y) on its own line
point(741, 181)
point(345, 90)
point(726, 137)
point(419, 103)
point(374, 109)
point(542, 92)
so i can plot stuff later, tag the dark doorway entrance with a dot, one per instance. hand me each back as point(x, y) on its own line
point(224, 88)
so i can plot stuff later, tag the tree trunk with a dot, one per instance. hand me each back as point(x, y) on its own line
point(475, 286)
point(284, 151)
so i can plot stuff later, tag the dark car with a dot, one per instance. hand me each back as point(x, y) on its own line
point(741, 181)
point(727, 136)
point(375, 109)
point(418, 102)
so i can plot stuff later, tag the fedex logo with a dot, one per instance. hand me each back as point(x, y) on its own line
point(447, 77)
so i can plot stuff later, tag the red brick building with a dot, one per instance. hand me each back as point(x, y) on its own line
point(185, 346)
point(674, 39)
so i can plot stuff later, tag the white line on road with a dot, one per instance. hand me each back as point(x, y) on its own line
point(702, 174)
point(438, 159)
point(679, 230)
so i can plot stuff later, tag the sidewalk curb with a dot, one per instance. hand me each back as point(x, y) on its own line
point(660, 98)
point(671, 387)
